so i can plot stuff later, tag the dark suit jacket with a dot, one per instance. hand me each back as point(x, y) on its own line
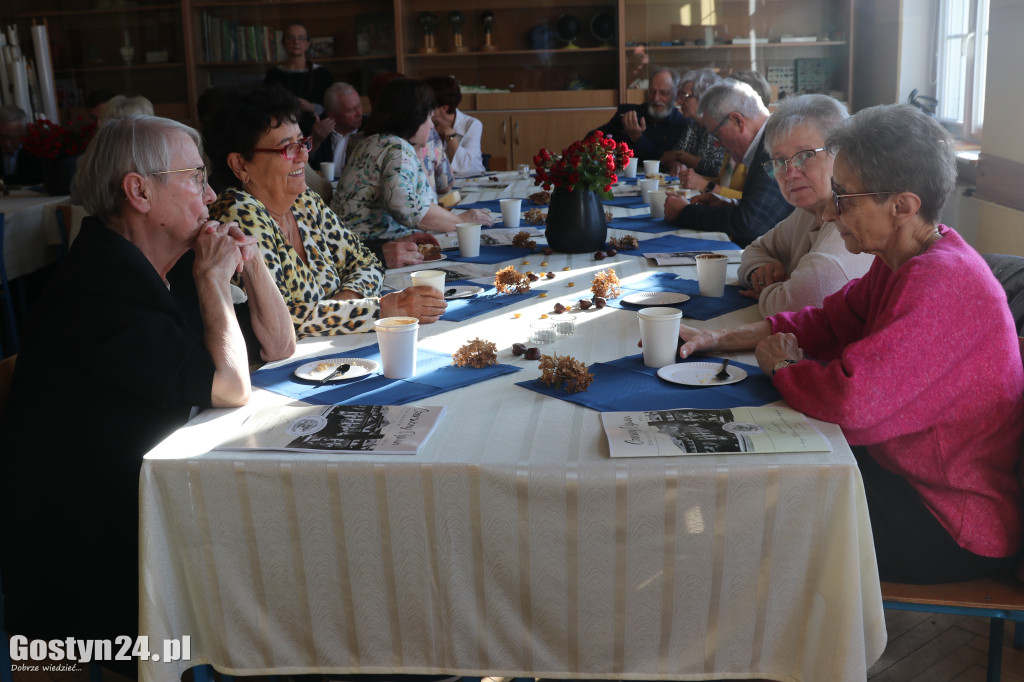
point(28, 170)
point(761, 208)
point(659, 137)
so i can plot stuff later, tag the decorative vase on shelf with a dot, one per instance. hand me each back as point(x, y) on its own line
point(576, 222)
point(57, 174)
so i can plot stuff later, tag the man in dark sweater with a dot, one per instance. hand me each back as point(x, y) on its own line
point(735, 115)
point(650, 129)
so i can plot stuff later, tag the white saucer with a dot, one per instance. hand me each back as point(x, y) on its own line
point(462, 291)
point(700, 374)
point(647, 298)
point(318, 369)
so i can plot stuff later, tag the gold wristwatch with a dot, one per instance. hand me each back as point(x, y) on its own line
point(782, 363)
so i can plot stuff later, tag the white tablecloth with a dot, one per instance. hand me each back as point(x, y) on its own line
point(512, 544)
point(29, 229)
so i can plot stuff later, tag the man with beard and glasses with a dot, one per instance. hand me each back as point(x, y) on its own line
point(650, 129)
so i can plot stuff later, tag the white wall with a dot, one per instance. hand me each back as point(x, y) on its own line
point(1001, 229)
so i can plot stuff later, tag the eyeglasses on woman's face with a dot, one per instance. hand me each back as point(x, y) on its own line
point(199, 178)
point(773, 166)
point(290, 150)
point(836, 197)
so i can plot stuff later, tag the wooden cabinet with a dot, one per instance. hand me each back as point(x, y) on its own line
point(122, 47)
point(518, 135)
point(183, 47)
point(799, 45)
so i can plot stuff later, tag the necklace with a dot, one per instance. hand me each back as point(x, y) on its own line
point(933, 237)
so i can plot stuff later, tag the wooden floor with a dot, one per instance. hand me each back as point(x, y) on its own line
point(922, 647)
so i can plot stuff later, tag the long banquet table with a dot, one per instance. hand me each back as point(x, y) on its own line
point(511, 544)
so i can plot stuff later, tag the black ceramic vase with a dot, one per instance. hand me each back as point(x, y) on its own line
point(576, 221)
point(58, 174)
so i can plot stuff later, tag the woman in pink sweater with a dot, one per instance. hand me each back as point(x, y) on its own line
point(918, 361)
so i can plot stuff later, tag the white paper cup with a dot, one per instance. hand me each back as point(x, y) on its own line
point(429, 278)
point(651, 167)
point(711, 273)
point(657, 202)
point(469, 239)
point(630, 170)
point(396, 338)
point(327, 170)
point(646, 187)
point(659, 332)
point(510, 212)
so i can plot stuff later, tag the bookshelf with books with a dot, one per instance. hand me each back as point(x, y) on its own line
point(236, 42)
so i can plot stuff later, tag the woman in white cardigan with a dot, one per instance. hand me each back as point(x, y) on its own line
point(802, 259)
point(460, 133)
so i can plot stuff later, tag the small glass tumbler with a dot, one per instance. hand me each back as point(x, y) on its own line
point(565, 325)
point(542, 332)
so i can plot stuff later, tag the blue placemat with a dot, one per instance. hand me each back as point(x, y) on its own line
point(641, 224)
point(460, 309)
point(434, 374)
point(489, 255)
point(627, 384)
point(626, 201)
point(671, 242)
point(698, 307)
point(491, 205)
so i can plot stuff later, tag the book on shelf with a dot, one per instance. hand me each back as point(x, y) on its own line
point(689, 257)
point(666, 433)
point(340, 429)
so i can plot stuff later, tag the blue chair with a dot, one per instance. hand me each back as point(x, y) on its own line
point(5, 293)
point(999, 599)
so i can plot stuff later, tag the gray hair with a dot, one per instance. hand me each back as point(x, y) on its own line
point(335, 92)
point(818, 111)
point(731, 96)
point(11, 113)
point(898, 147)
point(702, 80)
point(755, 80)
point(673, 74)
point(134, 143)
point(119, 105)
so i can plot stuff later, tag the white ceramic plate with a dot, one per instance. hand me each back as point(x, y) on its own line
point(318, 369)
point(462, 292)
point(700, 374)
point(434, 260)
point(644, 298)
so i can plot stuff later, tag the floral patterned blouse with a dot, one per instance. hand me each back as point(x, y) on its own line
point(697, 140)
point(337, 261)
point(383, 192)
point(435, 160)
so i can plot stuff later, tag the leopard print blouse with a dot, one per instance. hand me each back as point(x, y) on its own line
point(337, 260)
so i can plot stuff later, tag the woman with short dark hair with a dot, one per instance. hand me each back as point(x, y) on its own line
point(329, 279)
point(460, 133)
point(384, 192)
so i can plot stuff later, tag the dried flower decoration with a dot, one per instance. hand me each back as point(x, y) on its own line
point(477, 353)
point(511, 281)
point(565, 372)
point(606, 284)
point(608, 216)
point(535, 216)
point(625, 243)
point(522, 240)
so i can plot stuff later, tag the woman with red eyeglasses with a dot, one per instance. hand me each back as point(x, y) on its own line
point(330, 280)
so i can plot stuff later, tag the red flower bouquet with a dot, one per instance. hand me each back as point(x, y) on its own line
point(588, 164)
point(50, 140)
